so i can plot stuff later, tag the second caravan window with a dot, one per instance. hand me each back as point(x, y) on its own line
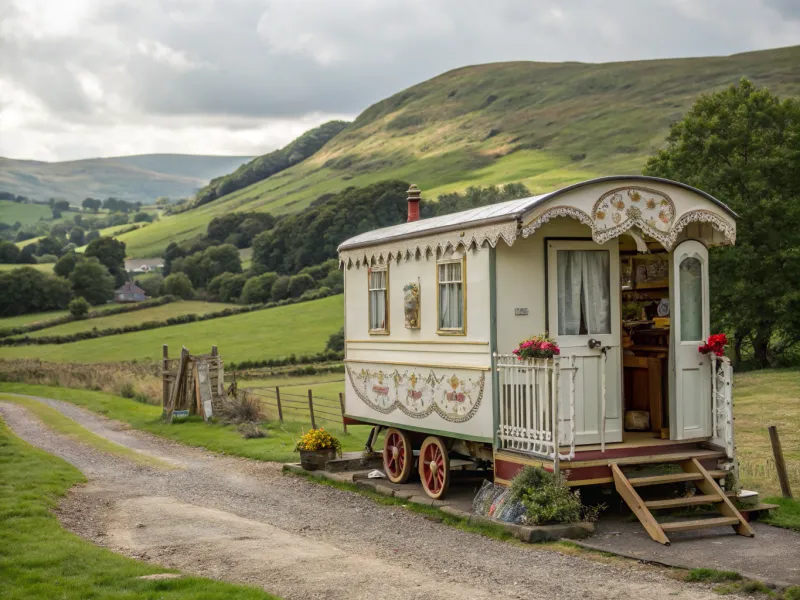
point(451, 296)
point(584, 295)
point(377, 300)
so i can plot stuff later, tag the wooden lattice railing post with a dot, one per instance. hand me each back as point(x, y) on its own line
point(311, 409)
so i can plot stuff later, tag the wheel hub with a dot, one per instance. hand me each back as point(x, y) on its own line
point(395, 451)
point(434, 467)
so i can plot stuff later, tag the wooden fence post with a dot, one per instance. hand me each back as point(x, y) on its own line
point(278, 397)
point(311, 409)
point(214, 351)
point(341, 405)
point(164, 375)
point(780, 462)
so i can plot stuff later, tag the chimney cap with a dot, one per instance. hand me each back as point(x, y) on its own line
point(414, 193)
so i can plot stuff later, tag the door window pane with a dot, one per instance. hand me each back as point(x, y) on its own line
point(691, 289)
point(584, 292)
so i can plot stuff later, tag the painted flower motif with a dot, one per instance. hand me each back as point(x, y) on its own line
point(664, 202)
point(600, 214)
point(616, 217)
point(454, 382)
point(663, 216)
point(651, 204)
point(619, 204)
point(634, 212)
point(634, 195)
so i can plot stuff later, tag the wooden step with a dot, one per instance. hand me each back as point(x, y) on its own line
point(699, 524)
point(688, 501)
point(662, 479)
point(653, 459)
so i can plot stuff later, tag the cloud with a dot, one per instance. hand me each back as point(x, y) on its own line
point(89, 77)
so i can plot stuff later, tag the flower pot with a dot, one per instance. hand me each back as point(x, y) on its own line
point(315, 460)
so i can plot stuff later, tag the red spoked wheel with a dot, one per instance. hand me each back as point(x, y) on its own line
point(434, 467)
point(398, 456)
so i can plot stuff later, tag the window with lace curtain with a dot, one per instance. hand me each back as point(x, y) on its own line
point(378, 299)
point(451, 298)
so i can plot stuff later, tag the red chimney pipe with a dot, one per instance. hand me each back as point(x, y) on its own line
point(413, 203)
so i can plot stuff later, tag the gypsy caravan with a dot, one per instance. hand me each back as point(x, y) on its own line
point(614, 271)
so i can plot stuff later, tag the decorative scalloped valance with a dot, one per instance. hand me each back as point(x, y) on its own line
point(636, 211)
point(413, 247)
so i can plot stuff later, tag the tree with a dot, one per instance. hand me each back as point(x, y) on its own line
point(9, 253)
point(162, 201)
point(111, 253)
point(76, 236)
point(142, 217)
point(151, 284)
point(172, 253)
point(91, 280)
point(91, 204)
point(79, 307)
point(49, 245)
point(280, 289)
point(91, 236)
point(742, 145)
point(26, 290)
point(65, 264)
point(299, 284)
point(259, 289)
point(228, 286)
point(61, 205)
point(178, 284)
point(203, 266)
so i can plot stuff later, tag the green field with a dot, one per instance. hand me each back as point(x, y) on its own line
point(27, 214)
point(301, 328)
point(32, 318)
point(543, 124)
point(44, 267)
point(39, 560)
point(155, 313)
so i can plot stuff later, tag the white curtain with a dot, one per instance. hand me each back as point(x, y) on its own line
point(451, 297)
point(377, 304)
point(584, 295)
point(691, 291)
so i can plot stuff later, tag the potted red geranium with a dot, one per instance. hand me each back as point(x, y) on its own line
point(538, 346)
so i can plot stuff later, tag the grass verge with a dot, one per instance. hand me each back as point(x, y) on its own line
point(787, 516)
point(66, 426)
point(278, 446)
point(40, 561)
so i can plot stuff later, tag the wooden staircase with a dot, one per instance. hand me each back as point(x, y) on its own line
point(693, 471)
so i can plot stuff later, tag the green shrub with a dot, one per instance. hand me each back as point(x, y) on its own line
point(79, 307)
point(712, 575)
point(548, 499)
point(178, 284)
point(127, 390)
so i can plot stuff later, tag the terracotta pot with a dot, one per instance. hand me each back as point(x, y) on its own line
point(315, 460)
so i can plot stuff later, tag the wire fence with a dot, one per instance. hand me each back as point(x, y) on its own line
point(288, 405)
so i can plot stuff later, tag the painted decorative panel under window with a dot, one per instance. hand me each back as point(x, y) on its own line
point(378, 287)
point(584, 294)
point(451, 297)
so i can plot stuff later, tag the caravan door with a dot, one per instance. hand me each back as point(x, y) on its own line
point(690, 392)
point(583, 306)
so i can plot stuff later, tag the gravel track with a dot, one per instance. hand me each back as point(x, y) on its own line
point(243, 521)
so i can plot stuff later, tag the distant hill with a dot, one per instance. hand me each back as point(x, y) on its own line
point(135, 178)
point(542, 124)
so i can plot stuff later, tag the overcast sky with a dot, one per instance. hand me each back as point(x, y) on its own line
point(86, 78)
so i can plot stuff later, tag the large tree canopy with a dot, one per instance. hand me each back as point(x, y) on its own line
point(742, 145)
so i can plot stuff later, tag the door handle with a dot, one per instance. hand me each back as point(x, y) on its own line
point(593, 343)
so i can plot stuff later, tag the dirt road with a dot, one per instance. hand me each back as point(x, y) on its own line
point(243, 521)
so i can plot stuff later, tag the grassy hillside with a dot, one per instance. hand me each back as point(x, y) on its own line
point(31, 318)
point(134, 178)
point(27, 214)
point(44, 268)
point(544, 124)
point(299, 328)
point(156, 313)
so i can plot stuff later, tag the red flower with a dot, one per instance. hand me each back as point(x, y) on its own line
point(715, 343)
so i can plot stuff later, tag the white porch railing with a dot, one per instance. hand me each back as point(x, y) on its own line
point(531, 404)
point(722, 404)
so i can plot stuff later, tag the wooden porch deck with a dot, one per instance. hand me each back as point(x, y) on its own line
point(592, 466)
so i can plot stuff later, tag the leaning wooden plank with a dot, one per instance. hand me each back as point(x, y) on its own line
point(708, 486)
point(632, 499)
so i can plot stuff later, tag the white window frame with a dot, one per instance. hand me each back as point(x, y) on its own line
point(462, 260)
point(370, 289)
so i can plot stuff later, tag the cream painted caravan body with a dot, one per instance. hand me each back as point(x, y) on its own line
point(449, 383)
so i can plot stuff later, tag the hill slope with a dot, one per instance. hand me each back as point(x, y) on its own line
point(135, 178)
point(544, 124)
